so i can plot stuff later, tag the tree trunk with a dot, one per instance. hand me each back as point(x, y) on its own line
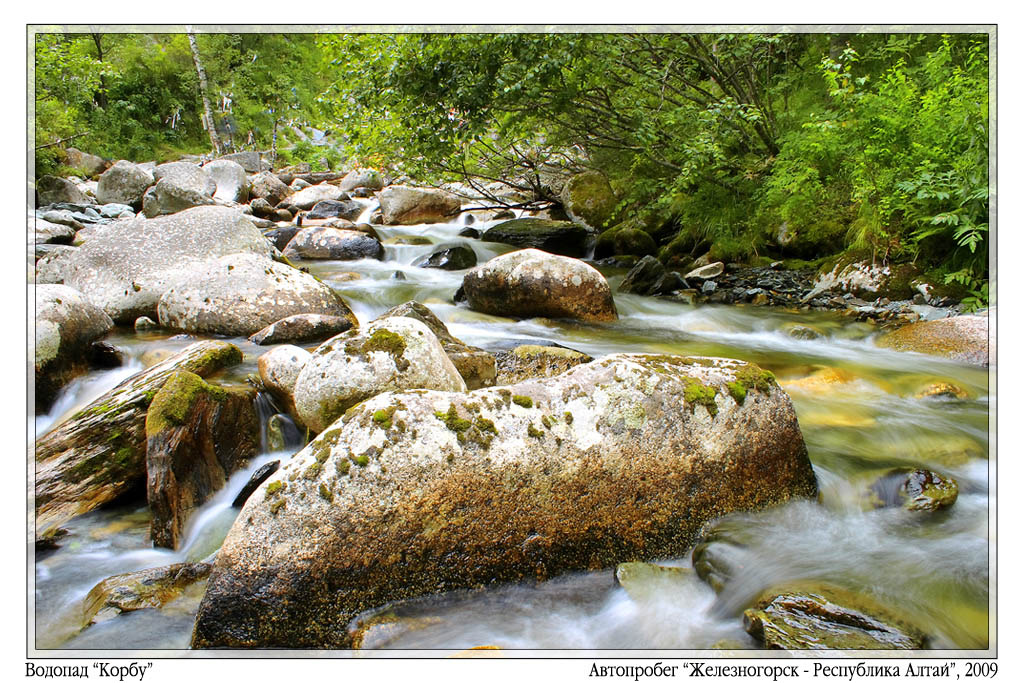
point(207, 112)
point(101, 96)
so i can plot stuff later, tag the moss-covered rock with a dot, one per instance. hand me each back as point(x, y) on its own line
point(391, 354)
point(963, 338)
point(457, 493)
point(863, 277)
point(197, 435)
point(588, 198)
point(916, 490)
point(99, 453)
point(555, 237)
point(819, 616)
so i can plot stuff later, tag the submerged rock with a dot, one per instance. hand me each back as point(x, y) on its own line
point(532, 283)
point(197, 435)
point(99, 453)
point(963, 338)
point(392, 353)
point(145, 589)
point(555, 237)
point(240, 294)
point(66, 325)
point(529, 361)
point(644, 581)
point(421, 492)
point(916, 490)
point(127, 267)
point(942, 390)
point(824, 617)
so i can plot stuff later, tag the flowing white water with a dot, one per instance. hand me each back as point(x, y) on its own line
point(934, 568)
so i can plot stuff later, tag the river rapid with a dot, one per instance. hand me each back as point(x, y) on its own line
point(932, 567)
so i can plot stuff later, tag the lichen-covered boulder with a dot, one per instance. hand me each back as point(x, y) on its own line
point(268, 186)
point(476, 366)
point(66, 325)
point(179, 185)
point(421, 492)
point(54, 190)
point(866, 279)
point(240, 294)
point(322, 242)
point(308, 197)
point(533, 283)
point(555, 237)
point(127, 267)
point(197, 435)
point(391, 354)
point(99, 453)
point(588, 198)
point(401, 205)
point(963, 338)
point(230, 179)
point(819, 616)
point(124, 183)
point(530, 361)
point(362, 177)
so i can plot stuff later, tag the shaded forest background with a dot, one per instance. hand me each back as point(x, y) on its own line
point(750, 146)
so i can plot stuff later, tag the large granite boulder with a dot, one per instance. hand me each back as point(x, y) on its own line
point(390, 354)
point(240, 294)
point(230, 179)
point(127, 267)
point(588, 198)
point(332, 208)
point(402, 205)
point(309, 197)
point(250, 161)
point(362, 177)
point(322, 242)
point(124, 183)
point(555, 237)
point(532, 283)
point(268, 186)
point(419, 492)
point(279, 369)
point(963, 338)
point(66, 325)
point(179, 185)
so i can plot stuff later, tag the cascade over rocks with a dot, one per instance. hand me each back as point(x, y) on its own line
point(66, 325)
point(99, 453)
point(279, 369)
point(402, 205)
point(555, 237)
point(322, 242)
point(532, 283)
point(197, 435)
point(240, 294)
point(124, 183)
point(421, 492)
point(390, 354)
point(128, 266)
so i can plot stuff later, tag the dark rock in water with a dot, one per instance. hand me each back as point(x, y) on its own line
point(104, 355)
point(146, 589)
point(460, 295)
point(303, 327)
point(257, 478)
point(554, 237)
point(824, 617)
point(280, 237)
point(448, 257)
point(406, 496)
point(470, 232)
point(803, 332)
point(197, 435)
point(330, 208)
point(261, 207)
point(99, 453)
point(322, 242)
point(915, 490)
point(709, 286)
point(642, 277)
point(398, 275)
point(476, 366)
point(531, 283)
point(534, 362)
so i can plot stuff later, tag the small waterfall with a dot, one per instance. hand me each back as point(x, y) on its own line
point(371, 206)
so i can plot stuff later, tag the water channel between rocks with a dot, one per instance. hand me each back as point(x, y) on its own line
point(934, 569)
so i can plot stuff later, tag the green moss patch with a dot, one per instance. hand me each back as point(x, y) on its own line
point(524, 401)
point(325, 493)
point(387, 341)
point(175, 400)
point(695, 393)
point(382, 418)
point(452, 420)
